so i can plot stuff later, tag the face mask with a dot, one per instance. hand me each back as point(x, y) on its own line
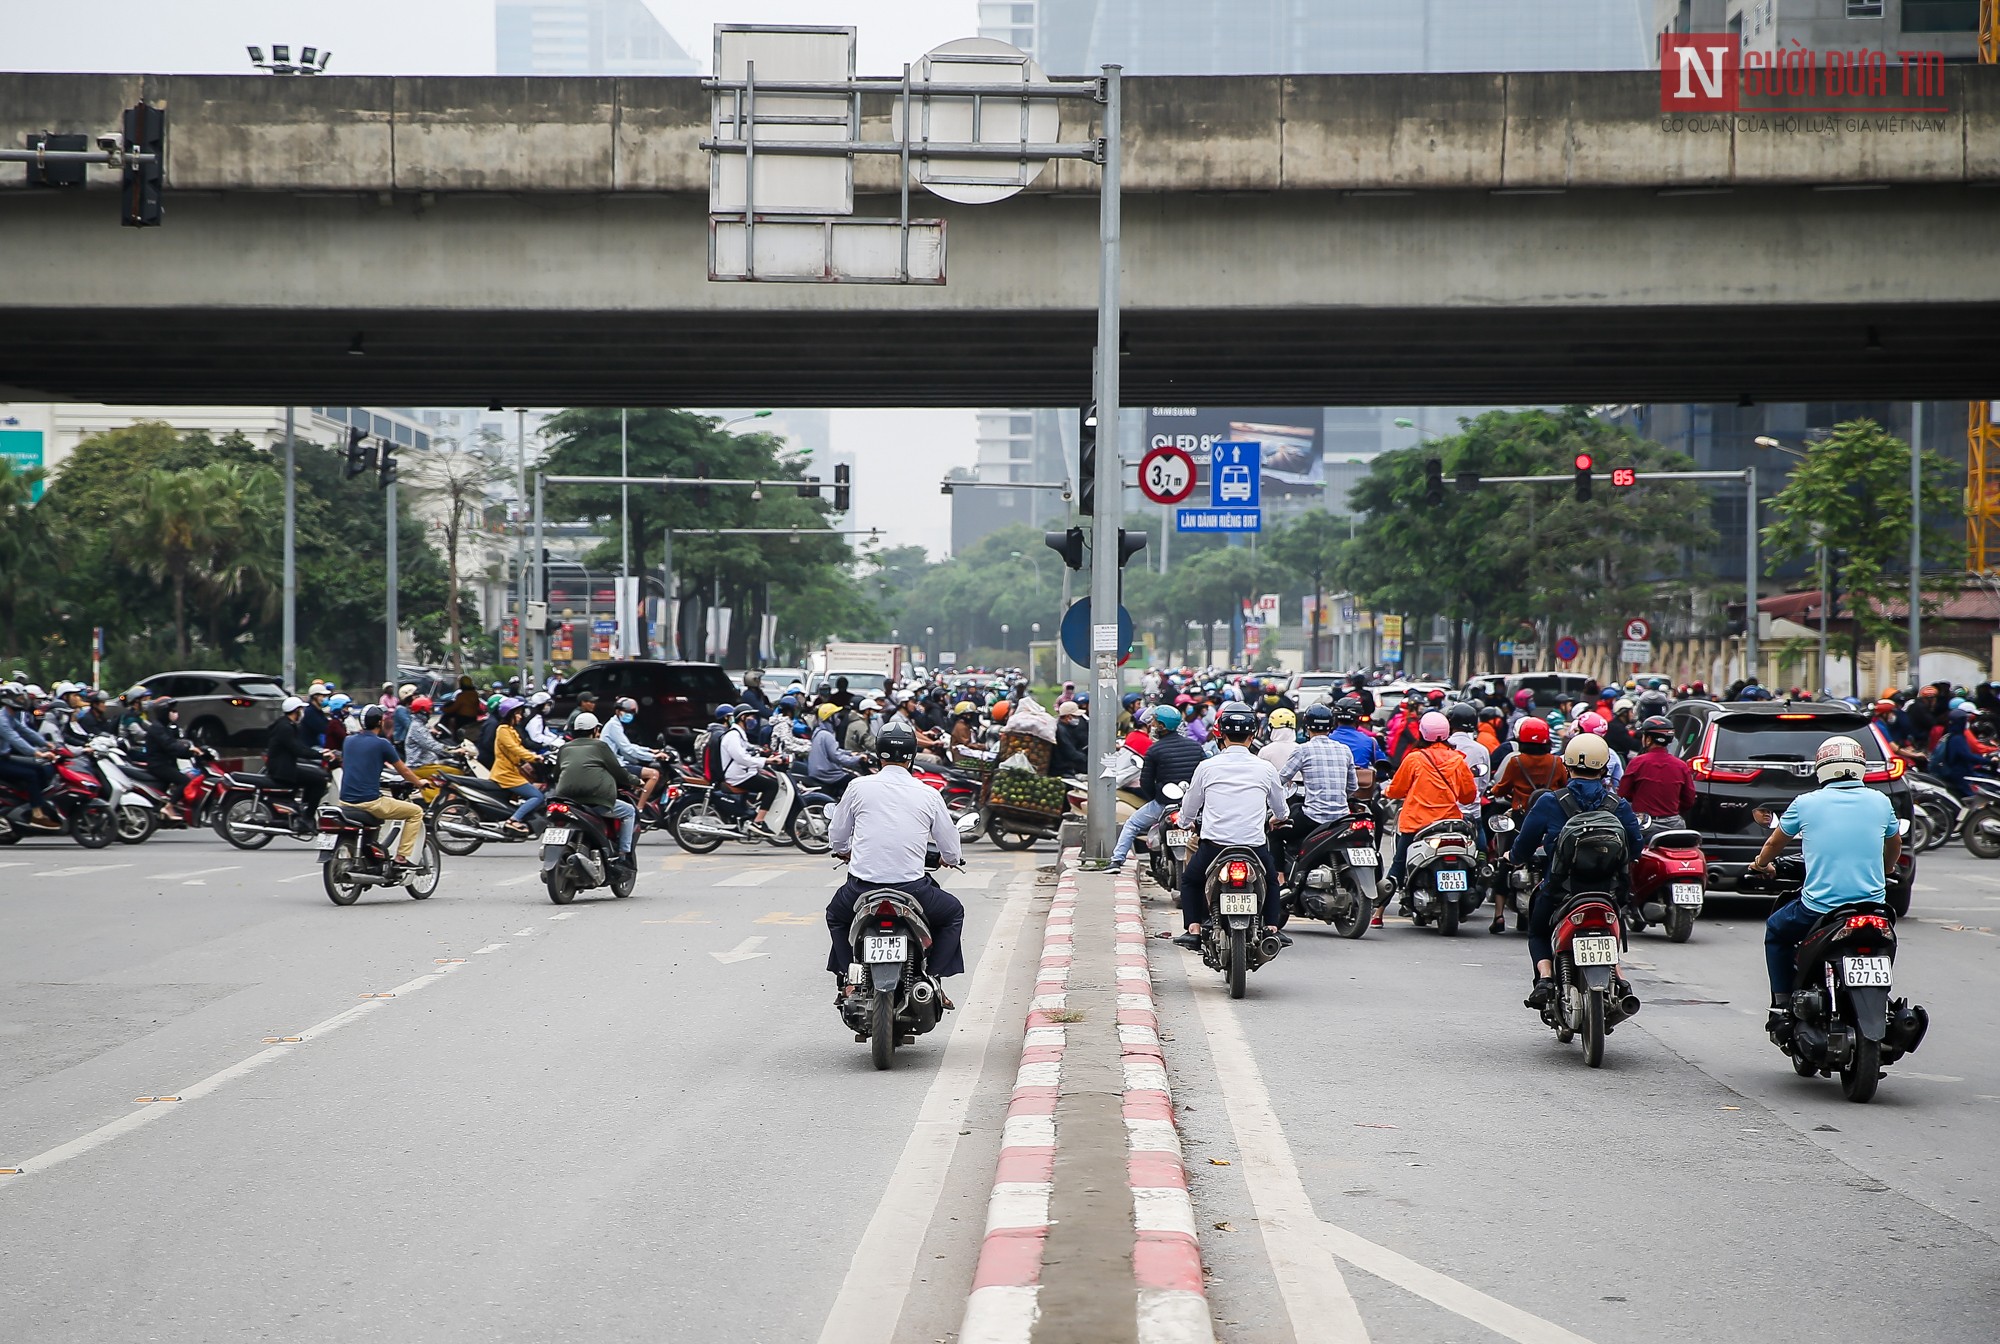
point(624, 718)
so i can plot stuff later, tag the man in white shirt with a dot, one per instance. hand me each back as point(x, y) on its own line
point(1231, 800)
point(743, 770)
point(884, 825)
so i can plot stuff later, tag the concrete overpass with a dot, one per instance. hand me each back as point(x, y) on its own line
point(1299, 239)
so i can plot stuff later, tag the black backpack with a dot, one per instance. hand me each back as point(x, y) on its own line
point(1590, 850)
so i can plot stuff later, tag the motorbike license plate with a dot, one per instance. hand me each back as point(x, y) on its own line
point(878, 947)
point(1687, 893)
point(1858, 972)
point(1451, 879)
point(327, 840)
point(1594, 951)
point(1181, 839)
point(1364, 858)
point(1239, 903)
point(556, 835)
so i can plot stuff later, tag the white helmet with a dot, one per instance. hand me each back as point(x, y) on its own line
point(1839, 758)
point(585, 722)
point(1587, 755)
point(292, 702)
point(538, 699)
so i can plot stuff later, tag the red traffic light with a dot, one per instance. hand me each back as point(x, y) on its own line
point(1624, 476)
point(1583, 461)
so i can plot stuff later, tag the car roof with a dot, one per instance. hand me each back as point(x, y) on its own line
point(203, 672)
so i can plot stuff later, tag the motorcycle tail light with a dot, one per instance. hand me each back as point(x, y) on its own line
point(673, 792)
point(558, 810)
point(1876, 922)
point(1237, 874)
point(885, 910)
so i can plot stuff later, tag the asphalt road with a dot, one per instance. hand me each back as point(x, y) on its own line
point(1384, 1144)
point(616, 1120)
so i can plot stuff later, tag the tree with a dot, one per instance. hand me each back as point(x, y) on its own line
point(1311, 545)
point(26, 554)
point(1852, 492)
point(177, 520)
point(457, 477)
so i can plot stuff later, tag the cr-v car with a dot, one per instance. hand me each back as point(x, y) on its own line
point(675, 699)
point(222, 709)
point(1752, 756)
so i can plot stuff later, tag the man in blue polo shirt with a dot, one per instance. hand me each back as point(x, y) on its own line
point(363, 756)
point(1851, 840)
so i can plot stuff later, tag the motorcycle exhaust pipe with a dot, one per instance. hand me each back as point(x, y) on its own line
point(1268, 946)
point(1629, 1005)
point(470, 832)
point(921, 993)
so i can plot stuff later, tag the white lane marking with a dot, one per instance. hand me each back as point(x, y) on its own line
point(125, 1124)
point(1289, 1222)
point(196, 872)
point(300, 877)
point(1929, 1077)
point(15, 863)
point(1314, 1292)
point(567, 914)
point(517, 881)
point(754, 878)
point(871, 1298)
point(490, 947)
point(523, 933)
point(82, 869)
point(743, 951)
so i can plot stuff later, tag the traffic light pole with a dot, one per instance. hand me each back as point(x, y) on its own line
point(291, 628)
point(1102, 829)
point(389, 607)
point(1749, 478)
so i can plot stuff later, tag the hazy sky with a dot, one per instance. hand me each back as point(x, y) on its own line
point(901, 454)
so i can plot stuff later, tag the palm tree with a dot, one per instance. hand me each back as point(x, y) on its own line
point(177, 521)
point(24, 545)
point(246, 551)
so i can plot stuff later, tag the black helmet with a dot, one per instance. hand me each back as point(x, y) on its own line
point(1492, 712)
point(1318, 718)
point(371, 717)
point(896, 743)
point(1237, 721)
point(1463, 718)
point(1658, 726)
point(1652, 704)
point(1347, 709)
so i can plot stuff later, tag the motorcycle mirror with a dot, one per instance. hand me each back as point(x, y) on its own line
point(1903, 826)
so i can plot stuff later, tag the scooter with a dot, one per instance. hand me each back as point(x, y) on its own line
point(1233, 939)
point(1590, 999)
point(580, 851)
point(709, 815)
point(890, 997)
point(1168, 843)
point(77, 798)
point(1669, 878)
point(1438, 875)
point(469, 812)
point(135, 810)
point(355, 853)
point(1334, 876)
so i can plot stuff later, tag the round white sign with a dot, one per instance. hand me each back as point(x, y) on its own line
point(1166, 475)
point(1638, 628)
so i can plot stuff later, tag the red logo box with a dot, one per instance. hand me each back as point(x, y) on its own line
point(1698, 72)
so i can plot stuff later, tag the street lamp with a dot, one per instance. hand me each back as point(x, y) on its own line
point(1005, 631)
point(930, 645)
point(311, 59)
point(754, 415)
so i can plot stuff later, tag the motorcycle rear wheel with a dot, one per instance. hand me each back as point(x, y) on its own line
point(137, 824)
point(1239, 963)
point(94, 828)
point(1593, 1028)
point(560, 881)
point(882, 1030)
point(245, 810)
point(1980, 844)
point(333, 875)
point(1353, 922)
point(1858, 1079)
point(420, 888)
point(809, 828)
point(622, 876)
point(1447, 911)
point(461, 814)
point(1680, 923)
point(704, 816)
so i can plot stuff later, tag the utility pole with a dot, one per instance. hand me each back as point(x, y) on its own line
point(389, 606)
point(521, 544)
point(1916, 542)
point(291, 637)
point(541, 588)
point(1104, 548)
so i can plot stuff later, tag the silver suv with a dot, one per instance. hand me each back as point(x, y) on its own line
point(220, 709)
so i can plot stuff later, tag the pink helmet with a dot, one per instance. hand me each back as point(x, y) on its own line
point(1434, 727)
point(1523, 698)
point(1591, 723)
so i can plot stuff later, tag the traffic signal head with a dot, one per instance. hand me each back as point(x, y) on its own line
point(1086, 464)
point(843, 493)
point(1583, 465)
point(385, 471)
point(145, 133)
point(360, 457)
point(1624, 477)
point(1129, 545)
point(1433, 481)
point(1068, 545)
point(810, 488)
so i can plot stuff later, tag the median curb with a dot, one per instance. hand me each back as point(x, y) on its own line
point(1170, 1304)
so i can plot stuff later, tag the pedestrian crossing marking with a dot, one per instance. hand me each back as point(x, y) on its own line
point(754, 878)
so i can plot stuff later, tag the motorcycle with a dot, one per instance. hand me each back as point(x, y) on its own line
point(355, 850)
point(1438, 876)
point(1841, 1018)
point(77, 798)
point(1333, 879)
point(469, 812)
point(1233, 939)
point(256, 808)
point(705, 816)
point(135, 809)
point(1669, 878)
point(580, 851)
point(1590, 999)
point(193, 806)
point(891, 998)
point(1935, 813)
point(1168, 843)
point(1979, 824)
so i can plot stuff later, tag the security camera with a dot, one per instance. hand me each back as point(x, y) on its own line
point(111, 142)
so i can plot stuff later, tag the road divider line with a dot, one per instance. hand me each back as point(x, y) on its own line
point(196, 872)
point(870, 1302)
point(490, 947)
point(81, 869)
point(125, 1124)
point(1304, 1248)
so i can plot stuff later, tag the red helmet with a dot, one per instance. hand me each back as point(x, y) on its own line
point(421, 705)
point(1533, 730)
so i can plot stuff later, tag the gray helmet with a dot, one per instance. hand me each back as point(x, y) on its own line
point(1463, 718)
point(896, 743)
point(1318, 718)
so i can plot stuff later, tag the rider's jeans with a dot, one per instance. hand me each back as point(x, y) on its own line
point(531, 798)
point(1783, 932)
point(1141, 822)
point(628, 831)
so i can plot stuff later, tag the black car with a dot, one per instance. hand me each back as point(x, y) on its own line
point(675, 700)
point(1750, 756)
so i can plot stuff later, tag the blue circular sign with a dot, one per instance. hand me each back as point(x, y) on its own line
point(1566, 649)
point(1075, 633)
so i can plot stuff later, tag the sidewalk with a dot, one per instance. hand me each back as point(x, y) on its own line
point(1090, 1190)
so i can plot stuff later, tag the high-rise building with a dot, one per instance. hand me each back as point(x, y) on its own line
point(584, 37)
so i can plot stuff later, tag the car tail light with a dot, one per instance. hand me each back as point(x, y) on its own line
point(1706, 769)
point(1793, 717)
point(1893, 770)
point(238, 702)
point(1237, 874)
point(1876, 922)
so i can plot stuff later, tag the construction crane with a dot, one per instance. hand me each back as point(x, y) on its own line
point(1982, 436)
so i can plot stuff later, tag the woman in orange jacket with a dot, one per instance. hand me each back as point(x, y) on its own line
point(1433, 782)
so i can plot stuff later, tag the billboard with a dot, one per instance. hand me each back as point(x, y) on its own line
point(23, 447)
point(1292, 439)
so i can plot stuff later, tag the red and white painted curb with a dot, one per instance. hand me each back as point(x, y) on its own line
point(1166, 1258)
point(1171, 1296)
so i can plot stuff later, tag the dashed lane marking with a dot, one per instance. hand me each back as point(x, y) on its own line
point(787, 917)
point(523, 933)
point(490, 947)
point(300, 877)
point(684, 917)
point(81, 869)
point(517, 881)
point(195, 872)
point(754, 878)
point(567, 914)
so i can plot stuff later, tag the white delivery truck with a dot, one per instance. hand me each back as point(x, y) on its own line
point(870, 669)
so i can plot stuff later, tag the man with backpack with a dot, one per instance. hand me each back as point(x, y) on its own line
point(1586, 836)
